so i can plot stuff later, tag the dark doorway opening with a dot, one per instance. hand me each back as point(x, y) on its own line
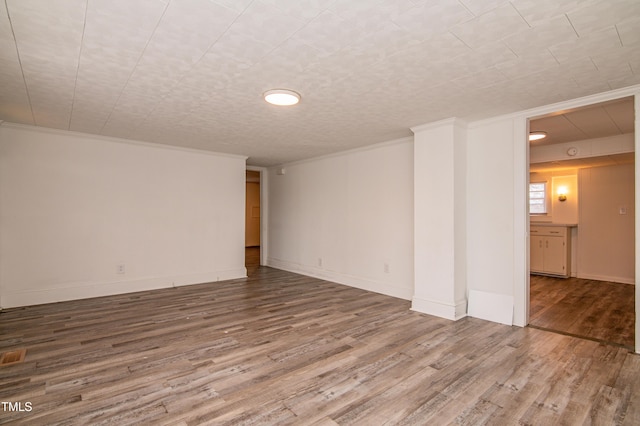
point(252, 221)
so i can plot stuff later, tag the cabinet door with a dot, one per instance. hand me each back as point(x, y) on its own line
point(536, 250)
point(554, 255)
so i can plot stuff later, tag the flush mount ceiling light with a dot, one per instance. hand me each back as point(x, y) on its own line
point(281, 97)
point(535, 136)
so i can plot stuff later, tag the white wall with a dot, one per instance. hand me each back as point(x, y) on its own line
point(497, 220)
point(440, 199)
point(497, 176)
point(565, 211)
point(493, 220)
point(606, 243)
point(73, 207)
point(347, 218)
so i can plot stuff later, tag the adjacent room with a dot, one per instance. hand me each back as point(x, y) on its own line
point(319, 212)
point(582, 202)
point(252, 221)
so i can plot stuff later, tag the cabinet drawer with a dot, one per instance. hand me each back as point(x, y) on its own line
point(554, 231)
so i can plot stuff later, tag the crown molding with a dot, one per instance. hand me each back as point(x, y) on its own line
point(408, 139)
point(451, 122)
point(71, 133)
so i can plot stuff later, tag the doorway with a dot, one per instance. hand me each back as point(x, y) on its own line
point(252, 240)
point(591, 199)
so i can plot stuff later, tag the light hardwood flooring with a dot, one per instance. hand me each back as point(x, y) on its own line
point(280, 348)
point(598, 310)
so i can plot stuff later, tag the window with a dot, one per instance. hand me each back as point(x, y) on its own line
point(538, 198)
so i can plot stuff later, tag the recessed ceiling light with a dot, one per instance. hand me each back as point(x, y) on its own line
point(281, 97)
point(534, 136)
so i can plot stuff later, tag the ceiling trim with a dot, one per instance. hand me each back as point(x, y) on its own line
point(453, 121)
point(408, 139)
point(71, 133)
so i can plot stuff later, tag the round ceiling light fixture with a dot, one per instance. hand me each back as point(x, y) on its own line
point(282, 97)
point(536, 136)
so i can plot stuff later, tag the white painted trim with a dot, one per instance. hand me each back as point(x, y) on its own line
point(608, 278)
point(340, 278)
point(452, 122)
point(491, 306)
point(521, 223)
point(440, 309)
point(75, 291)
point(408, 139)
point(264, 216)
point(71, 133)
point(637, 224)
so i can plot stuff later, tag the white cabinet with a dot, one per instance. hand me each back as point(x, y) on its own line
point(550, 251)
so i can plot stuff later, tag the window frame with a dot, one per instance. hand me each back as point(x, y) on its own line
point(544, 198)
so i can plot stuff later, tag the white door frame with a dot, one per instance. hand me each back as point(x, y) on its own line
point(521, 185)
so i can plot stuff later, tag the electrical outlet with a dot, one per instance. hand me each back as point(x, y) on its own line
point(320, 262)
point(386, 268)
point(120, 268)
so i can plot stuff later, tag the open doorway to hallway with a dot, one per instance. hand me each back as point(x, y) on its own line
point(582, 222)
point(252, 221)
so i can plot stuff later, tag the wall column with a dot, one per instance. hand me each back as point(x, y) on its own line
point(440, 170)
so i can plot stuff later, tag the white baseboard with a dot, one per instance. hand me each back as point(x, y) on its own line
point(491, 306)
point(450, 311)
point(346, 279)
point(623, 280)
point(75, 291)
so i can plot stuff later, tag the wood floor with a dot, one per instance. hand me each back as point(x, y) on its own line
point(280, 348)
point(252, 259)
point(598, 310)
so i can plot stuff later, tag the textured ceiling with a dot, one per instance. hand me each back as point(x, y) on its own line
point(595, 121)
point(191, 72)
point(600, 120)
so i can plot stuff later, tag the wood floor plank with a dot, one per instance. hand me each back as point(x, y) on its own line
point(281, 348)
point(600, 310)
point(608, 406)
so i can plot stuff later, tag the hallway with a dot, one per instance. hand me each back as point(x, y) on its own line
point(251, 259)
